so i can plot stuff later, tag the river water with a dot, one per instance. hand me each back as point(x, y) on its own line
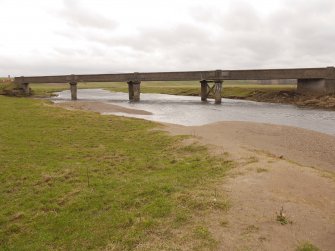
point(190, 111)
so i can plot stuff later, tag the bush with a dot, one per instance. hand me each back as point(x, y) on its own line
point(11, 89)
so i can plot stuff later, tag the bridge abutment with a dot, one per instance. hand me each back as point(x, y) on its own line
point(73, 89)
point(22, 87)
point(316, 86)
point(134, 90)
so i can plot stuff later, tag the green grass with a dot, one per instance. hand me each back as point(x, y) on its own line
point(74, 180)
point(307, 247)
point(4, 85)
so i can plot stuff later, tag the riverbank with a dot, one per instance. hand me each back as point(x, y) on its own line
point(281, 187)
point(279, 169)
point(290, 97)
point(78, 180)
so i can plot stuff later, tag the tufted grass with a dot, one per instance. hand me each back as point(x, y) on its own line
point(75, 180)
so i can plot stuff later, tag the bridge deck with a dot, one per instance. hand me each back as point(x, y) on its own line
point(302, 73)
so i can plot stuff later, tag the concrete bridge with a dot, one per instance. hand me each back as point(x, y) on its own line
point(310, 80)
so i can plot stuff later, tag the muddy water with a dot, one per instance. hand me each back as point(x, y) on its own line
point(186, 110)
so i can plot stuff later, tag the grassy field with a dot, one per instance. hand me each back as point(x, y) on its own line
point(74, 180)
point(230, 88)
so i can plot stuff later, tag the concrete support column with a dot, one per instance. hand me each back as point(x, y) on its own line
point(217, 91)
point(134, 90)
point(131, 90)
point(73, 89)
point(137, 91)
point(204, 90)
point(25, 88)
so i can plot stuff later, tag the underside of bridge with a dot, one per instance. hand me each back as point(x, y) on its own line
point(316, 86)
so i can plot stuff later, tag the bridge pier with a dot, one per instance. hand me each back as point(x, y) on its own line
point(316, 86)
point(22, 87)
point(217, 91)
point(134, 90)
point(73, 89)
point(204, 90)
point(25, 89)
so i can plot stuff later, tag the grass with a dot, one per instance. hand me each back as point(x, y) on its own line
point(282, 218)
point(307, 247)
point(204, 238)
point(4, 84)
point(74, 180)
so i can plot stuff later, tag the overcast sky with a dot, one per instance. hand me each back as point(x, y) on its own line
point(40, 37)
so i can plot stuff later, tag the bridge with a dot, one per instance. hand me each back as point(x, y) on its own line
point(309, 80)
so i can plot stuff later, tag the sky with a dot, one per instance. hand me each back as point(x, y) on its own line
point(51, 37)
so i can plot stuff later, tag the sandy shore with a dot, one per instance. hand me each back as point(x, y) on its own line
point(273, 170)
point(99, 107)
point(303, 146)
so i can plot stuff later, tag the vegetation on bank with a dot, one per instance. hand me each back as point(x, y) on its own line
point(78, 180)
point(5, 84)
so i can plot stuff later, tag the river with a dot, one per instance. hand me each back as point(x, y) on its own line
point(190, 111)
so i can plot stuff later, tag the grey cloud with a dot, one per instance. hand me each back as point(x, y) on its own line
point(298, 34)
point(241, 16)
point(81, 17)
point(149, 39)
point(301, 31)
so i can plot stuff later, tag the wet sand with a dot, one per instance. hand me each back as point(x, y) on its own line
point(303, 146)
point(273, 171)
point(99, 107)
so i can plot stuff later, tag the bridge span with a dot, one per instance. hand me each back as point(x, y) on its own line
point(309, 80)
